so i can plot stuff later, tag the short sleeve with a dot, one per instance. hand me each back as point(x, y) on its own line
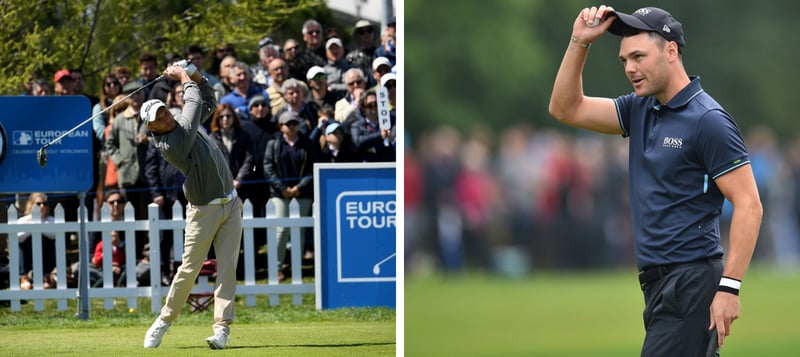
point(624, 104)
point(722, 148)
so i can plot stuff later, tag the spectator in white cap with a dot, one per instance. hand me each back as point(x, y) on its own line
point(364, 33)
point(390, 82)
point(336, 64)
point(380, 66)
point(318, 84)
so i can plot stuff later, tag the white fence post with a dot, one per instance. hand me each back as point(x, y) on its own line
point(272, 252)
point(153, 225)
point(154, 257)
point(13, 258)
point(298, 250)
point(61, 255)
point(108, 274)
point(130, 254)
point(250, 251)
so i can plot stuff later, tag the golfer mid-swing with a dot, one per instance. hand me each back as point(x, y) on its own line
point(686, 155)
point(214, 212)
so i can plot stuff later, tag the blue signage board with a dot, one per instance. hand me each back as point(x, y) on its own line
point(356, 254)
point(27, 124)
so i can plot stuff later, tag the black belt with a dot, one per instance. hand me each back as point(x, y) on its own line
point(655, 273)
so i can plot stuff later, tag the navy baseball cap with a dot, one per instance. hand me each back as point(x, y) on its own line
point(651, 19)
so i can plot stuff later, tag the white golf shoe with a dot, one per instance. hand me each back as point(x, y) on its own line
point(154, 334)
point(218, 341)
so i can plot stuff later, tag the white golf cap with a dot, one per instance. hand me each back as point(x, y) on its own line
point(362, 23)
point(150, 109)
point(331, 128)
point(388, 77)
point(334, 41)
point(380, 61)
point(314, 71)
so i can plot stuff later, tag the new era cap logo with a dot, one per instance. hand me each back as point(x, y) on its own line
point(666, 29)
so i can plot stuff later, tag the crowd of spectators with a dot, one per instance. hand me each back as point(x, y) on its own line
point(308, 100)
point(526, 198)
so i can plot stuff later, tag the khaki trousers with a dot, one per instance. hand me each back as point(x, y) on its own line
point(220, 225)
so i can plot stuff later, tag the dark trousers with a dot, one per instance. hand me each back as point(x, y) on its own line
point(676, 313)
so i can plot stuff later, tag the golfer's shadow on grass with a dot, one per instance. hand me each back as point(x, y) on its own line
point(365, 344)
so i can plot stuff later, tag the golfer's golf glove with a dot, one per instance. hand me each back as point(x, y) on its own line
point(188, 66)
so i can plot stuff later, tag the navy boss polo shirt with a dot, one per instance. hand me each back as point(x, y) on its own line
point(677, 150)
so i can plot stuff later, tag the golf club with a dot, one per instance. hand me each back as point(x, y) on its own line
point(41, 155)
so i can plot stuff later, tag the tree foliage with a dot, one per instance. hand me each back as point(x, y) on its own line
point(492, 63)
point(39, 37)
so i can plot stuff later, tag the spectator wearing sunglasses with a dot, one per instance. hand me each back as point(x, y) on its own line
point(363, 52)
point(312, 36)
point(318, 84)
point(356, 85)
point(115, 201)
point(37, 202)
point(111, 88)
point(288, 166)
point(373, 143)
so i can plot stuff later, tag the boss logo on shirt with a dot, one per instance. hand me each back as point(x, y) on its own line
point(673, 143)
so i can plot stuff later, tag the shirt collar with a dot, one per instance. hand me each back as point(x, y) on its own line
point(686, 94)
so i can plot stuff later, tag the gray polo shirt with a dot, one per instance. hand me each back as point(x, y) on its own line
point(193, 152)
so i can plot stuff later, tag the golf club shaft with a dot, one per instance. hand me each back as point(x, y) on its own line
point(100, 113)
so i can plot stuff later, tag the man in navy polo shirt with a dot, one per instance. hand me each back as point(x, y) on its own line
point(686, 156)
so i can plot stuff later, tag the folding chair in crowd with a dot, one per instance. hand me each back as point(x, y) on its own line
point(202, 295)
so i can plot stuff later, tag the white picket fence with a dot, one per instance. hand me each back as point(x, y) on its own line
point(248, 287)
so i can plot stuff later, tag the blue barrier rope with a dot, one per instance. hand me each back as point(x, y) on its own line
point(92, 194)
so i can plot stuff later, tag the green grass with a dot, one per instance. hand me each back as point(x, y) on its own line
point(284, 330)
point(577, 314)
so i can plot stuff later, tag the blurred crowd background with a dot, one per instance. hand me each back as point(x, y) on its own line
point(523, 198)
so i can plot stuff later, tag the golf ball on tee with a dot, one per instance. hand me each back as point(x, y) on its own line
point(593, 23)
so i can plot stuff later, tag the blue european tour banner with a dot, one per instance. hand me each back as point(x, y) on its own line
point(27, 124)
point(356, 212)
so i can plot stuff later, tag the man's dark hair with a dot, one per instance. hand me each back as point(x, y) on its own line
point(194, 49)
point(147, 56)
